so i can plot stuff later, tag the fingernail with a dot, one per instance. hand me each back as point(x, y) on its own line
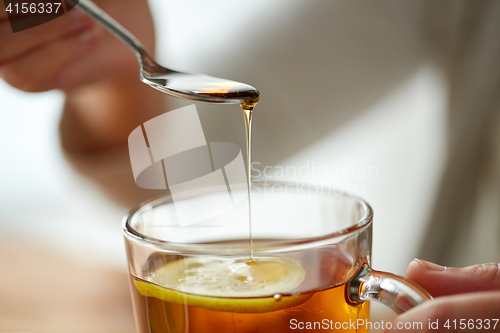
point(431, 266)
point(88, 37)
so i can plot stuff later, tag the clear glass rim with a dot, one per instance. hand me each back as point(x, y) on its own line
point(271, 245)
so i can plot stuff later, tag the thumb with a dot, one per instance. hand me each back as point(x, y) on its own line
point(440, 281)
point(472, 312)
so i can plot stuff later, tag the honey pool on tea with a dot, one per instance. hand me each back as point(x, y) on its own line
point(243, 294)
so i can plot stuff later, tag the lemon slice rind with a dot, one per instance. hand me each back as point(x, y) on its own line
point(239, 305)
point(245, 301)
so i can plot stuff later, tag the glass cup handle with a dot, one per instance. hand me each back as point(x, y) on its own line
point(392, 290)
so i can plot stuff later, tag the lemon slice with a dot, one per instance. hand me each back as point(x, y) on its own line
point(228, 284)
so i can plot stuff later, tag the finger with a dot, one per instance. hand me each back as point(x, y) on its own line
point(39, 70)
point(451, 313)
point(3, 12)
point(16, 45)
point(440, 280)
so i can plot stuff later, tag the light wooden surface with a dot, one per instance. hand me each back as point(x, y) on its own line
point(43, 291)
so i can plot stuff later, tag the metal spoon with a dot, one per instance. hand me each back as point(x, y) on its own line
point(196, 87)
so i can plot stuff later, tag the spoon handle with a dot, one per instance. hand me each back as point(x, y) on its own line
point(92, 10)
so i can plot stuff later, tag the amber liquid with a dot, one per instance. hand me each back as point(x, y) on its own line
point(325, 302)
point(247, 113)
point(326, 309)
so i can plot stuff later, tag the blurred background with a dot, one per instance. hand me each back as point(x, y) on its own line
point(396, 101)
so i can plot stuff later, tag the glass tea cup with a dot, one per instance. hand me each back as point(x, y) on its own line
point(194, 268)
